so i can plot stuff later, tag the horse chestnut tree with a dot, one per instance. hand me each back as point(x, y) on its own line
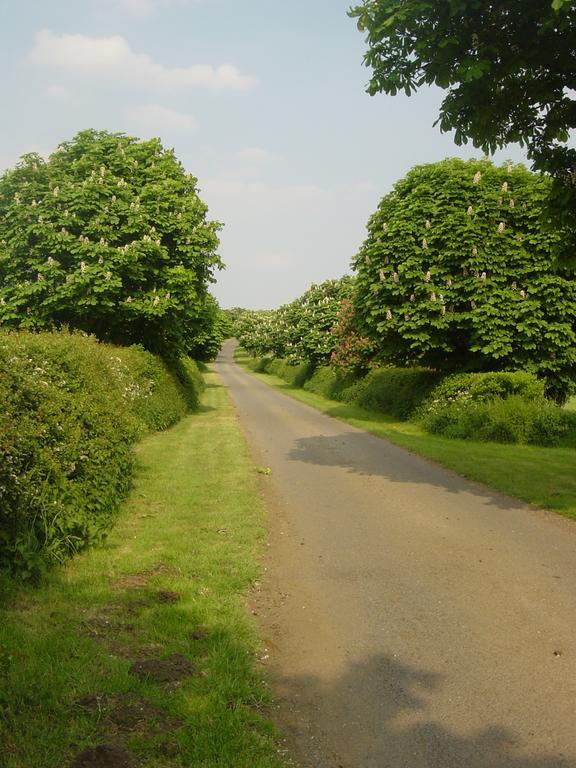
point(108, 236)
point(457, 273)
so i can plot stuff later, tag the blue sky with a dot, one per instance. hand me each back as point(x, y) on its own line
point(262, 100)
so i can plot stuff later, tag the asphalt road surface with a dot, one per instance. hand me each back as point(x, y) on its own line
point(412, 619)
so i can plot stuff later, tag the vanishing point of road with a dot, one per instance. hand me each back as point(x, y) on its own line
point(412, 619)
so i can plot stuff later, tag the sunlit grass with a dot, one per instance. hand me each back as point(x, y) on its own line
point(193, 527)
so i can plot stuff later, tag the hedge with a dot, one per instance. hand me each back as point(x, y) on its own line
point(72, 409)
point(503, 406)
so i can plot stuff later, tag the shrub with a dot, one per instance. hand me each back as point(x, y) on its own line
point(329, 383)
point(395, 391)
point(481, 387)
point(510, 420)
point(295, 375)
point(72, 409)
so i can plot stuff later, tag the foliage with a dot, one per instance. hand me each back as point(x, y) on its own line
point(393, 391)
point(510, 420)
point(299, 331)
point(330, 382)
point(464, 388)
point(211, 328)
point(255, 330)
point(110, 237)
point(456, 274)
point(353, 353)
point(72, 409)
point(508, 67)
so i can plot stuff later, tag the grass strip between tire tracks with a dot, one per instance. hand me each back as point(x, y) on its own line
point(542, 476)
point(144, 647)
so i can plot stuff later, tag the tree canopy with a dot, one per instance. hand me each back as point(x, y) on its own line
point(108, 236)
point(457, 274)
point(509, 69)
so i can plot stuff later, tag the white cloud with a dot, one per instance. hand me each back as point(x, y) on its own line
point(112, 58)
point(57, 93)
point(154, 119)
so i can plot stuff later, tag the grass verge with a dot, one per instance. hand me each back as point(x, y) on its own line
point(542, 476)
point(142, 652)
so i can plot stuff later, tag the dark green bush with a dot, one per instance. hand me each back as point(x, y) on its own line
point(71, 411)
point(329, 383)
point(296, 375)
point(395, 391)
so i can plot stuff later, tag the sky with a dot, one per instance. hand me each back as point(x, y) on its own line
point(262, 100)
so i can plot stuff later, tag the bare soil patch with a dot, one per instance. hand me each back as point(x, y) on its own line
point(169, 670)
point(105, 756)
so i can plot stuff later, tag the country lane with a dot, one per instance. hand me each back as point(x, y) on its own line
point(412, 619)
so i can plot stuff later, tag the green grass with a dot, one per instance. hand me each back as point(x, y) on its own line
point(571, 404)
point(193, 527)
point(542, 476)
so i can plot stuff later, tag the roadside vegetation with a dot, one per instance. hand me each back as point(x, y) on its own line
point(537, 475)
point(142, 649)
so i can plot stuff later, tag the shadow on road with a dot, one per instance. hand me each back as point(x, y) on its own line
point(377, 735)
point(368, 455)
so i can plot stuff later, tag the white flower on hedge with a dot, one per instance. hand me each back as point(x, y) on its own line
point(449, 282)
point(433, 296)
point(388, 315)
point(428, 224)
point(501, 227)
point(367, 257)
point(523, 294)
point(385, 227)
point(443, 309)
point(129, 300)
point(102, 170)
point(477, 177)
point(425, 244)
point(17, 198)
point(382, 275)
point(34, 203)
point(108, 276)
point(428, 276)
point(473, 304)
point(56, 191)
point(512, 203)
point(395, 276)
point(39, 277)
point(412, 297)
point(82, 267)
point(505, 187)
point(483, 275)
point(474, 251)
point(470, 210)
point(514, 286)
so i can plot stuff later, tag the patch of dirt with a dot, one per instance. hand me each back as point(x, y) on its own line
point(200, 633)
point(105, 756)
point(165, 596)
point(103, 622)
point(169, 670)
point(142, 578)
point(130, 713)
